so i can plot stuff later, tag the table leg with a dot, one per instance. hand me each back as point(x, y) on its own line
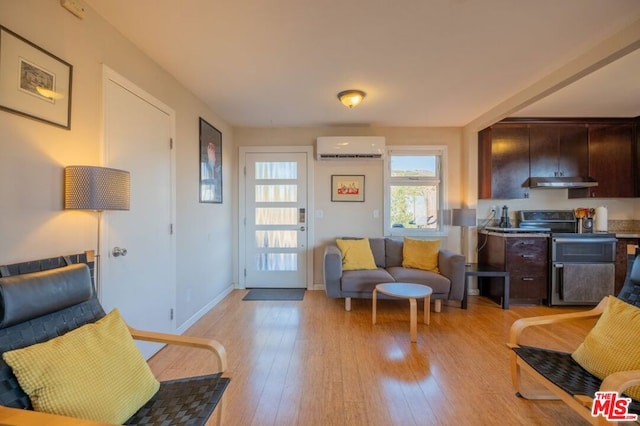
point(413, 318)
point(373, 298)
point(427, 309)
point(505, 298)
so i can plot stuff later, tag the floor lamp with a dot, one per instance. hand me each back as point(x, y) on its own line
point(463, 218)
point(97, 189)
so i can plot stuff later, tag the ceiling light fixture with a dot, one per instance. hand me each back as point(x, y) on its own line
point(351, 98)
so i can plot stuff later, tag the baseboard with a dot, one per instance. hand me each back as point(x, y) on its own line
point(206, 308)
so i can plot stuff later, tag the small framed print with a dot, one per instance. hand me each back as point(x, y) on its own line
point(347, 188)
point(210, 163)
point(33, 82)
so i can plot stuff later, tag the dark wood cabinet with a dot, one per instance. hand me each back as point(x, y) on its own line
point(503, 162)
point(558, 150)
point(611, 162)
point(525, 258)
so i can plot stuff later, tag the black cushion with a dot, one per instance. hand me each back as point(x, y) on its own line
point(27, 296)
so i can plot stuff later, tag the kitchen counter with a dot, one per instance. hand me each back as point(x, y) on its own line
point(514, 233)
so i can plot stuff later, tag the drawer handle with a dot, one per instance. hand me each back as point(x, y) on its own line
point(527, 279)
point(529, 256)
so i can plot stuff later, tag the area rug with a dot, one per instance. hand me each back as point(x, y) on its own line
point(275, 294)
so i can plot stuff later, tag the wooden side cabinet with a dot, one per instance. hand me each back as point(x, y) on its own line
point(525, 258)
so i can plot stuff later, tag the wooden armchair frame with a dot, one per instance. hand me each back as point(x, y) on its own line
point(582, 404)
point(204, 391)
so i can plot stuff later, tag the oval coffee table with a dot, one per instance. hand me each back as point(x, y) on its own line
point(406, 291)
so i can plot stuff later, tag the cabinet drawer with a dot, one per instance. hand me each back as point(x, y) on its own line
point(526, 255)
point(524, 286)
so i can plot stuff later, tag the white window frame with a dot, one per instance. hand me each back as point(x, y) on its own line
point(439, 150)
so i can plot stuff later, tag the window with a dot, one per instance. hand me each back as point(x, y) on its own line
point(414, 190)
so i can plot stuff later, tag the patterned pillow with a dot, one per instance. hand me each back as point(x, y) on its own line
point(612, 344)
point(94, 372)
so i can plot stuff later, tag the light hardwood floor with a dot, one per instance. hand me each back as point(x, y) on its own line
point(312, 363)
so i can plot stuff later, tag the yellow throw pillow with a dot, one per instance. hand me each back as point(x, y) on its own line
point(94, 372)
point(420, 254)
point(356, 254)
point(612, 344)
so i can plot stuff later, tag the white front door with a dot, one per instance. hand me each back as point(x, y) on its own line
point(141, 284)
point(276, 220)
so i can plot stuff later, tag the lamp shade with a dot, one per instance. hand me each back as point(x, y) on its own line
point(96, 188)
point(463, 217)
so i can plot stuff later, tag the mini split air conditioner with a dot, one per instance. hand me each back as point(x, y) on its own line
point(350, 147)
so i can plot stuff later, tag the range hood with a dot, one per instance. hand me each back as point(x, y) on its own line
point(562, 182)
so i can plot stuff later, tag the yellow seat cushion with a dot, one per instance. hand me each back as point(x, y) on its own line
point(356, 254)
point(421, 254)
point(612, 344)
point(94, 372)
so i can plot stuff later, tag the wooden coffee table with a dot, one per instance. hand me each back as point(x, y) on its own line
point(406, 291)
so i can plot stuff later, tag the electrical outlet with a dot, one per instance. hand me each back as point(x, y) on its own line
point(495, 210)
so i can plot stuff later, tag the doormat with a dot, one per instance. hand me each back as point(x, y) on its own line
point(275, 294)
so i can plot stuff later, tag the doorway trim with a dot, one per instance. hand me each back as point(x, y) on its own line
point(242, 208)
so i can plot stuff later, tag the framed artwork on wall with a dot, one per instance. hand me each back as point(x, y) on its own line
point(347, 188)
point(33, 82)
point(210, 163)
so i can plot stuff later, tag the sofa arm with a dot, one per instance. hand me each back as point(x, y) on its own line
point(332, 268)
point(451, 265)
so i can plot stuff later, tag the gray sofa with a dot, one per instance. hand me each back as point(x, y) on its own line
point(448, 284)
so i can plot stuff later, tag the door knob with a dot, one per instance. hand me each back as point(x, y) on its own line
point(302, 228)
point(117, 251)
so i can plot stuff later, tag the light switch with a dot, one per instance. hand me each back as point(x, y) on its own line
point(319, 214)
point(376, 214)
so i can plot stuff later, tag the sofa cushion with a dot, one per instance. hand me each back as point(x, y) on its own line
point(393, 252)
point(356, 254)
point(365, 280)
point(612, 344)
point(421, 254)
point(378, 250)
point(438, 283)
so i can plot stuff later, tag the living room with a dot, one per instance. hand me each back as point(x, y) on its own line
point(206, 243)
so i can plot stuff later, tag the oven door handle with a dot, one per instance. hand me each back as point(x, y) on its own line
point(559, 279)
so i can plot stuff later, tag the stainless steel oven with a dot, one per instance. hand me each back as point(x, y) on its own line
point(581, 265)
point(582, 268)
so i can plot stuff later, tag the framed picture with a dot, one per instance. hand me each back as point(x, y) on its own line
point(210, 163)
point(33, 82)
point(347, 188)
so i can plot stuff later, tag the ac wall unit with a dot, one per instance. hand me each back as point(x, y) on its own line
point(350, 147)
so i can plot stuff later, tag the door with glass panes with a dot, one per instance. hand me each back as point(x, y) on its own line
point(275, 220)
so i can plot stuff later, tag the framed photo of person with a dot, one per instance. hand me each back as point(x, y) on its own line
point(347, 188)
point(33, 82)
point(210, 163)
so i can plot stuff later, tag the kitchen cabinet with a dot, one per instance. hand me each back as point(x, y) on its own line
point(559, 150)
point(612, 162)
point(526, 260)
point(503, 162)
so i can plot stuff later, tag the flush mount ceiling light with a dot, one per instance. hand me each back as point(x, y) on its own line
point(351, 98)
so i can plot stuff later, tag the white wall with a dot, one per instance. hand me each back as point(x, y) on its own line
point(33, 155)
point(356, 219)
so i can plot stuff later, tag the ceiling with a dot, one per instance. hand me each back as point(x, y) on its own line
point(422, 63)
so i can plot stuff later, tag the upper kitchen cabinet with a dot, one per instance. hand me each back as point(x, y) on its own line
point(612, 161)
point(503, 161)
point(559, 150)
